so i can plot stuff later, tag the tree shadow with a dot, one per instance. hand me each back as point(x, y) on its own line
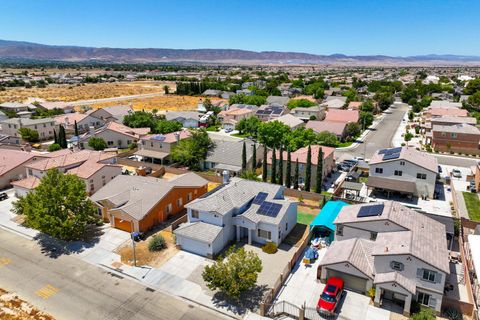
point(54, 248)
point(248, 300)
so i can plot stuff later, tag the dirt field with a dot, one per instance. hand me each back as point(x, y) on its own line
point(144, 256)
point(70, 93)
point(14, 308)
point(170, 102)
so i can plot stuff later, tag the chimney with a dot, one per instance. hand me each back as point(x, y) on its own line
point(226, 177)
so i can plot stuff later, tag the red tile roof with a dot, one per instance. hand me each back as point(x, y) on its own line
point(341, 115)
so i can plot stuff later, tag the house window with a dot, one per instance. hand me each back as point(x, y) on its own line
point(264, 234)
point(195, 214)
point(378, 170)
point(423, 298)
point(402, 163)
point(179, 202)
point(398, 173)
point(35, 127)
point(110, 143)
point(189, 197)
point(30, 172)
point(151, 144)
point(422, 176)
point(443, 134)
point(428, 275)
point(339, 230)
point(99, 211)
point(453, 135)
point(169, 208)
point(286, 226)
point(395, 265)
point(92, 187)
point(373, 236)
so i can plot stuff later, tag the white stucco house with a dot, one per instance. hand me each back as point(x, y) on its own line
point(239, 209)
point(404, 170)
point(400, 252)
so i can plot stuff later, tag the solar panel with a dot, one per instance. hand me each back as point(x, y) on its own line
point(370, 211)
point(158, 137)
point(260, 198)
point(382, 151)
point(391, 156)
point(390, 151)
point(269, 209)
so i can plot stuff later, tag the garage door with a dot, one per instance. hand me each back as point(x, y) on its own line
point(193, 246)
point(123, 225)
point(353, 283)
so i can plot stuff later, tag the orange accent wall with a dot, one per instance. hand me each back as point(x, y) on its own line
point(159, 212)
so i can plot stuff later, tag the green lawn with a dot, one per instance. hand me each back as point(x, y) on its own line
point(344, 144)
point(238, 135)
point(305, 218)
point(473, 205)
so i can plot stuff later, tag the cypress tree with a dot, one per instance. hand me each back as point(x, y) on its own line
point(244, 156)
point(308, 169)
point(319, 178)
point(264, 164)
point(254, 157)
point(273, 174)
point(62, 138)
point(295, 178)
point(280, 168)
point(76, 128)
point(288, 177)
point(55, 138)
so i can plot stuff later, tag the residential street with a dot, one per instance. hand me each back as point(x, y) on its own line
point(69, 288)
point(380, 137)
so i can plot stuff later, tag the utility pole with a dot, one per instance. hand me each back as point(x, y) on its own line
point(133, 244)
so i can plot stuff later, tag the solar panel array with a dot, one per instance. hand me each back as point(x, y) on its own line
point(370, 211)
point(158, 137)
point(260, 198)
point(389, 154)
point(269, 209)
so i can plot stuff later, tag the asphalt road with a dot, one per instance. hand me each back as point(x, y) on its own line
point(69, 288)
point(380, 137)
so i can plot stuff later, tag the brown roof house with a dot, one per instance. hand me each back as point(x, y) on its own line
point(13, 165)
point(457, 138)
point(137, 204)
point(399, 251)
point(336, 127)
point(116, 135)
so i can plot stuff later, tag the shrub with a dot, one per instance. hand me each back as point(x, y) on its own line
point(54, 147)
point(424, 314)
point(157, 243)
point(270, 248)
point(371, 292)
point(453, 314)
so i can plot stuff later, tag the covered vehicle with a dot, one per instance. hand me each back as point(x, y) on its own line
point(330, 297)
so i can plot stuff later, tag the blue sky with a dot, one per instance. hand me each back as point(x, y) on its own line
point(391, 27)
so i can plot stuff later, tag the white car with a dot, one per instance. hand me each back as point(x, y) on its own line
point(358, 159)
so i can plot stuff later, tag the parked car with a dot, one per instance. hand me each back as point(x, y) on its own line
point(456, 173)
point(330, 297)
point(358, 158)
point(228, 130)
point(3, 196)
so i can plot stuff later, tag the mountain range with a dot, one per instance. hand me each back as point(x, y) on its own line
point(20, 50)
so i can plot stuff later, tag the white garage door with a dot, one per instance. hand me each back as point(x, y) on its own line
point(353, 283)
point(193, 246)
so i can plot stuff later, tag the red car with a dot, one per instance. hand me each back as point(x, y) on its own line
point(330, 297)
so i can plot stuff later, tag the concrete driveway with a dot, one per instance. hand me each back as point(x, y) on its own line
point(302, 287)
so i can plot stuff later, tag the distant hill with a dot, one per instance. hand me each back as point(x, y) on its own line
point(33, 51)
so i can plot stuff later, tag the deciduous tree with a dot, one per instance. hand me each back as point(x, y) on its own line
point(59, 206)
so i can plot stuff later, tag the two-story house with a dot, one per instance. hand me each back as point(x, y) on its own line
point(459, 138)
point(137, 204)
point(403, 170)
point(238, 209)
point(400, 252)
point(188, 119)
point(157, 147)
point(83, 121)
point(229, 118)
point(95, 168)
point(45, 127)
point(116, 135)
point(311, 113)
point(114, 113)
